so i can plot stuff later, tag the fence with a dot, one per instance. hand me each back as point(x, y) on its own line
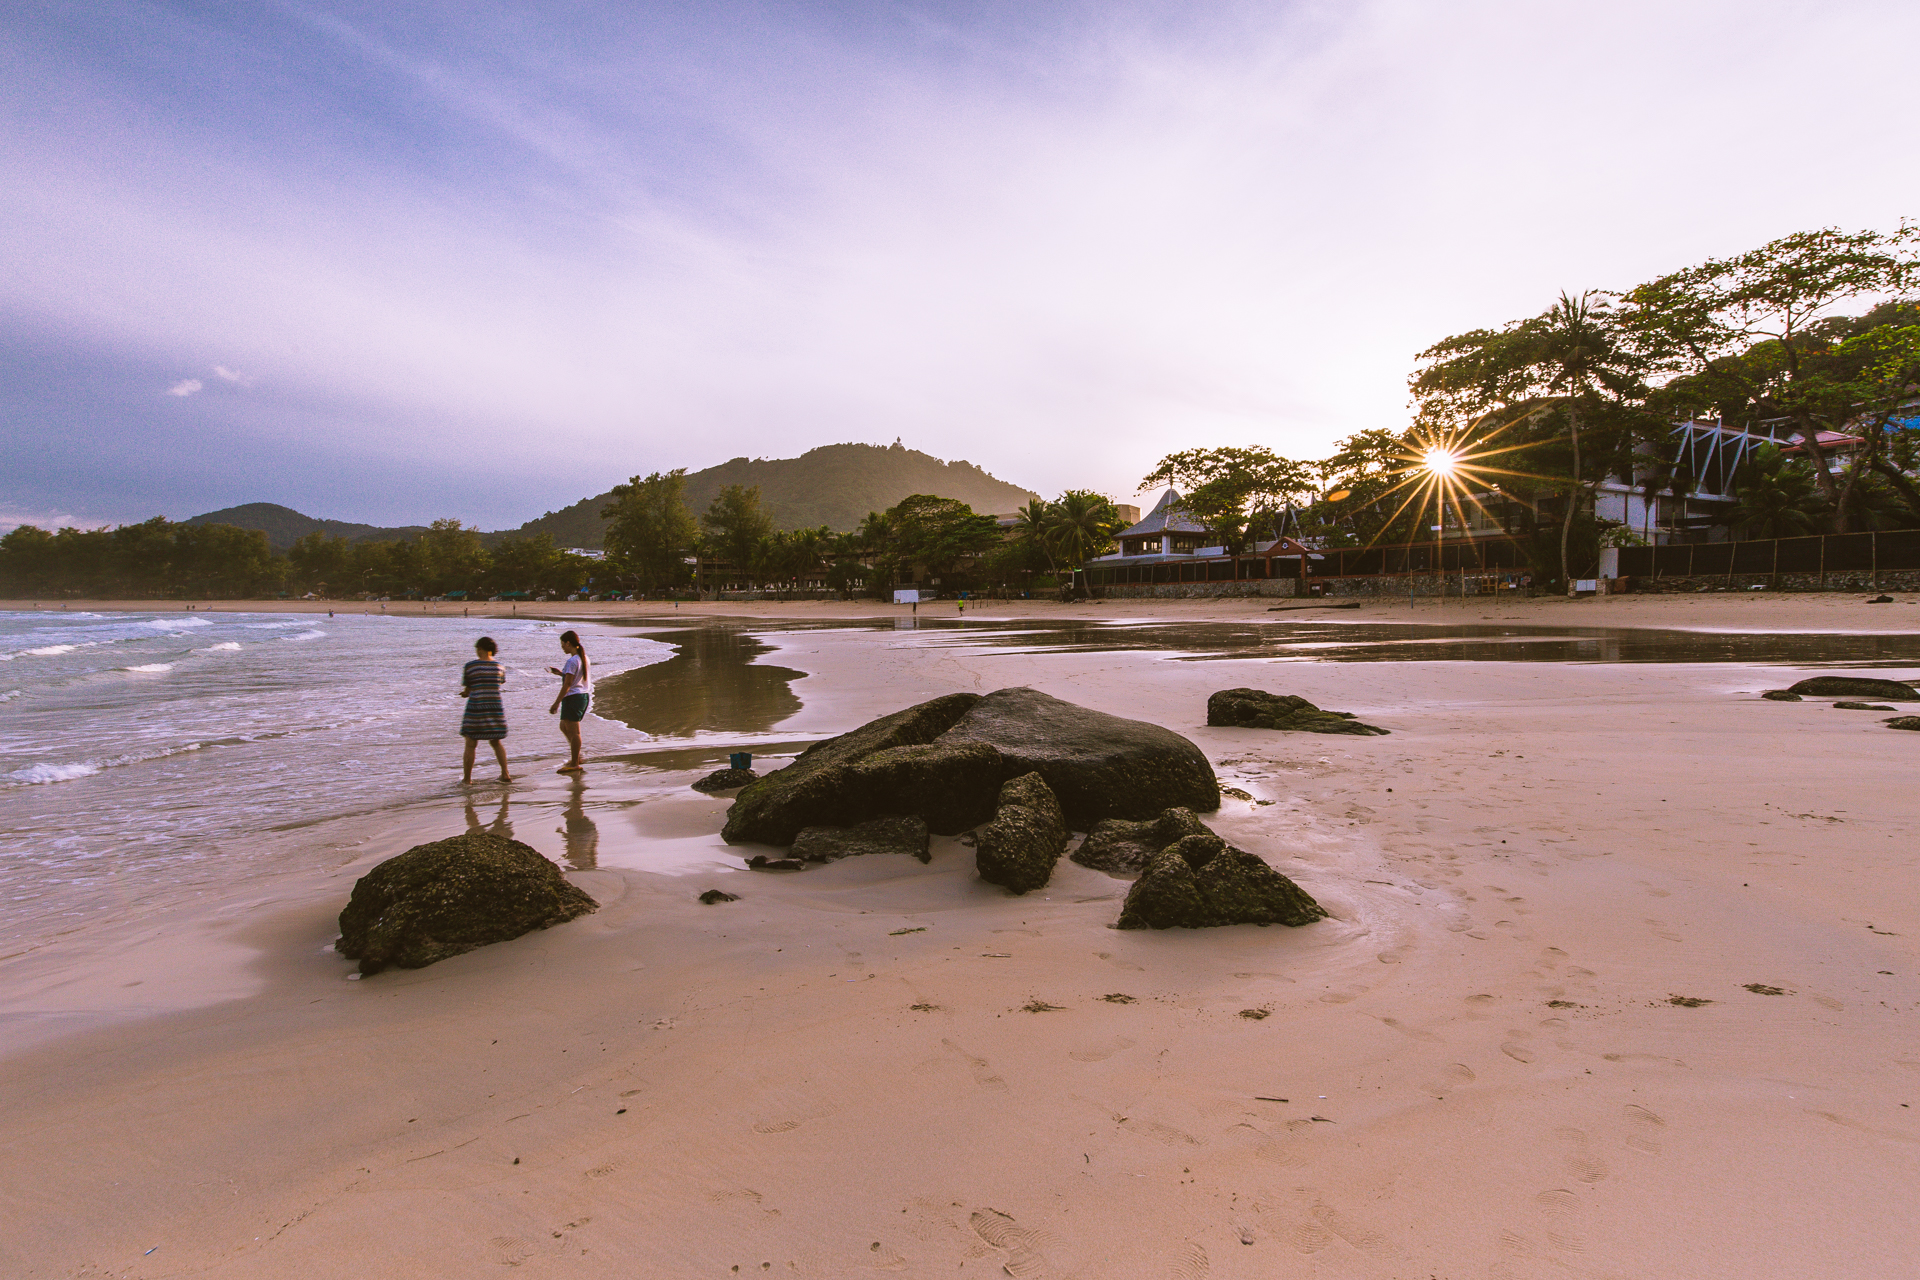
point(1843, 555)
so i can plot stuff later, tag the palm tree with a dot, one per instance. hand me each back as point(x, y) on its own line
point(1775, 496)
point(1576, 342)
point(1033, 524)
point(1081, 525)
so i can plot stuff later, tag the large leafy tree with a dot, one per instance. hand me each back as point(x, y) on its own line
point(1762, 336)
point(650, 532)
point(1234, 490)
point(737, 530)
point(935, 532)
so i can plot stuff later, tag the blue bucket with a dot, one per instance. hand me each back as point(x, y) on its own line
point(741, 760)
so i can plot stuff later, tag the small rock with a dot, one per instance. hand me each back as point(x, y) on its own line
point(1120, 847)
point(1258, 709)
point(1880, 600)
point(1018, 848)
point(712, 896)
point(896, 833)
point(726, 780)
point(1202, 881)
point(1904, 722)
point(1855, 687)
point(450, 896)
point(1862, 706)
point(761, 862)
point(1780, 695)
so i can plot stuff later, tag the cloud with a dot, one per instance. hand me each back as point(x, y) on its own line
point(229, 375)
point(185, 387)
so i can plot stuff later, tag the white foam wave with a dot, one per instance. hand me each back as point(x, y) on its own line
point(172, 624)
point(223, 646)
point(9, 695)
point(47, 651)
point(306, 635)
point(153, 667)
point(35, 774)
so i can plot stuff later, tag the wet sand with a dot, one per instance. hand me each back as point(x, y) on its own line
point(1475, 1068)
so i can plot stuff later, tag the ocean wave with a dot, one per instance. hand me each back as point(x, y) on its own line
point(222, 646)
point(306, 635)
point(45, 651)
point(171, 624)
point(9, 695)
point(152, 667)
point(37, 774)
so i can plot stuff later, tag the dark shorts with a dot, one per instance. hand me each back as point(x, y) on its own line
point(574, 706)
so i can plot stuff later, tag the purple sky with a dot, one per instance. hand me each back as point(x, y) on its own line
point(391, 262)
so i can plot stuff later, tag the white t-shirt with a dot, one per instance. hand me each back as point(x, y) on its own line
point(577, 681)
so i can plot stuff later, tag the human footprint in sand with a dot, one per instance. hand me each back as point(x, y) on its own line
point(486, 716)
point(576, 693)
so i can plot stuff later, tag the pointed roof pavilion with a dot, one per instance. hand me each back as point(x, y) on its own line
point(1169, 515)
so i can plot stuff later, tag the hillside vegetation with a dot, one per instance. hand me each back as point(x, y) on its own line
point(835, 485)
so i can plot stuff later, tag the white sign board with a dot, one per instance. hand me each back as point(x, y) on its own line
point(907, 597)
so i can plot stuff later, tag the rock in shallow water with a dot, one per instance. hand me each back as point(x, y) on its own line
point(726, 780)
point(1201, 882)
point(1780, 695)
point(1119, 847)
point(1258, 709)
point(440, 899)
point(1862, 706)
point(1018, 848)
point(1855, 687)
point(898, 833)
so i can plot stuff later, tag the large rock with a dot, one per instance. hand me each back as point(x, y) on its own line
point(1258, 709)
point(1202, 881)
point(898, 833)
point(944, 760)
point(1855, 687)
point(1018, 848)
point(1120, 847)
point(1099, 766)
point(814, 789)
point(438, 900)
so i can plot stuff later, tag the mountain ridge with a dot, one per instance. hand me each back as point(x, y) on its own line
point(834, 485)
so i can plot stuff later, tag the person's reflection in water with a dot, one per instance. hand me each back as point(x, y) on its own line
point(583, 838)
point(501, 825)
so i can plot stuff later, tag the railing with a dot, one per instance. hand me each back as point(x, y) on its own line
point(1890, 550)
point(1478, 556)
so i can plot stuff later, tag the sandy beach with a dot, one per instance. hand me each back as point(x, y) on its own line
point(1476, 1067)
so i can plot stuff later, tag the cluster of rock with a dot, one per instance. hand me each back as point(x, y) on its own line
point(946, 761)
point(440, 899)
point(1258, 709)
point(1849, 688)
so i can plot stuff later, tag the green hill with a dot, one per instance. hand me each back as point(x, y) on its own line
point(283, 525)
point(835, 485)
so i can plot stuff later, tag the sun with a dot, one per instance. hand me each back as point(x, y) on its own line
point(1440, 462)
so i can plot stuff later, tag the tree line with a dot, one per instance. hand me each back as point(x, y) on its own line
point(656, 544)
point(1814, 335)
point(159, 559)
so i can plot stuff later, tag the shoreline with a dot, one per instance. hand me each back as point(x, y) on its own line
point(1758, 611)
point(1482, 1069)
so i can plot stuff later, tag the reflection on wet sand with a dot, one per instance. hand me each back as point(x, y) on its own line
point(581, 835)
point(710, 684)
point(501, 825)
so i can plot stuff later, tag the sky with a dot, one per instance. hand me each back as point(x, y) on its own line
point(388, 263)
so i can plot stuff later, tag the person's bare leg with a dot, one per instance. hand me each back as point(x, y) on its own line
point(571, 728)
point(500, 754)
point(466, 764)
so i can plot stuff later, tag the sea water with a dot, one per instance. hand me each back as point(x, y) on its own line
point(136, 746)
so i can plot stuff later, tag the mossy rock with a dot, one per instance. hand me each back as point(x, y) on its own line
point(1120, 847)
point(1258, 709)
point(726, 780)
point(1018, 848)
point(1854, 687)
point(440, 899)
point(1202, 882)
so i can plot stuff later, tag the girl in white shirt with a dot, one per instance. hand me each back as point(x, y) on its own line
point(576, 694)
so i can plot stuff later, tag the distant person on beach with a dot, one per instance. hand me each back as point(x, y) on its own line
point(576, 693)
point(486, 717)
